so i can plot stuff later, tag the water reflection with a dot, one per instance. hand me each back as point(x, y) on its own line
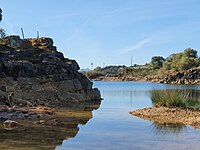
point(32, 137)
point(193, 97)
point(168, 128)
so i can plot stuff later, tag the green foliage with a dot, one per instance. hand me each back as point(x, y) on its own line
point(182, 61)
point(93, 74)
point(190, 53)
point(98, 69)
point(137, 71)
point(158, 66)
point(157, 62)
point(168, 98)
point(114, 70)
point(187, 63)
point(174, 98)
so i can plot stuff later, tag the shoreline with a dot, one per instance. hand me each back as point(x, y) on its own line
point(145, 79)
point(191, 76)
point(169, 115)
point(42, 115)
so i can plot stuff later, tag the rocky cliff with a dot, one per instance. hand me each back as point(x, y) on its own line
point(32, 70)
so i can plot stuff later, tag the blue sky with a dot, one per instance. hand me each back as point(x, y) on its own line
point(108, 32)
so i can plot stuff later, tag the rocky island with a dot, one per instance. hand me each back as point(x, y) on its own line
point(35, 78)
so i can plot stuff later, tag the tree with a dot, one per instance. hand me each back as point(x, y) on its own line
point(182, 61)
point(187, 63)
point(97, 69)
point(157, 62)
point(190, 53)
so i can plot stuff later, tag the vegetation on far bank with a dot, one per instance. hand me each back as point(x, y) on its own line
point(159, 65)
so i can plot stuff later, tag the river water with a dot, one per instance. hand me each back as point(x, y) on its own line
point(109, 126)
point(112, 128)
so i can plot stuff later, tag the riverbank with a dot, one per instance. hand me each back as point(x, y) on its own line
point(166, 115)
point(191, 76)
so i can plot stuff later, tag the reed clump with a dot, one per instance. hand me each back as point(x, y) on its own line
point(174, 98)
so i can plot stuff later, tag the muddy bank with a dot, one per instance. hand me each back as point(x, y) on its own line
point(163, 115)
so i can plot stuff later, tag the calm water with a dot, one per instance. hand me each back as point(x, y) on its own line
point(112, 128)
point(109, 126)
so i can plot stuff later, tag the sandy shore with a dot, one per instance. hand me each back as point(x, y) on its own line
point(169, 115)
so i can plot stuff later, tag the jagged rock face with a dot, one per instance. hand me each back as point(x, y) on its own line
point(33, 69)
point(191, 76)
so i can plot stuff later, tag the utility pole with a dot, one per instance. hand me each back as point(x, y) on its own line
point(22, 33)
point(131, 61)
point(38, 36)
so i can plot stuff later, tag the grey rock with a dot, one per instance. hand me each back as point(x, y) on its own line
point(10, 124)
point(32, 69)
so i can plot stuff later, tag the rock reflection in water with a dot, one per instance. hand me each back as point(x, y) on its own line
point(33, 137)
point(168, 128)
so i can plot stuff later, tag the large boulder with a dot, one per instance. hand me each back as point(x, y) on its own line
point(32, 69)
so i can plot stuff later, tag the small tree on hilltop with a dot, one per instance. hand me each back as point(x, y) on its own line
point(157, 62)
point(189, 52)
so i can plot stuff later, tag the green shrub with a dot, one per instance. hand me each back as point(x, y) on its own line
point(174, 98)
point(182, 61)
point(93, 74)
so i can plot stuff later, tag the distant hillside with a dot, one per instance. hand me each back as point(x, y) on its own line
point(178, 68)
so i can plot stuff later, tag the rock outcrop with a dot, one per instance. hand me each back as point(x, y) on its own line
point(191, 76)
point(33, 71)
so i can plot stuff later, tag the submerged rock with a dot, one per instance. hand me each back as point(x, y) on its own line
point(10, 124)
point(41, 122)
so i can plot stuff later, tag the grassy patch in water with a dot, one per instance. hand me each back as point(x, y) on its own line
point(174, 98)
